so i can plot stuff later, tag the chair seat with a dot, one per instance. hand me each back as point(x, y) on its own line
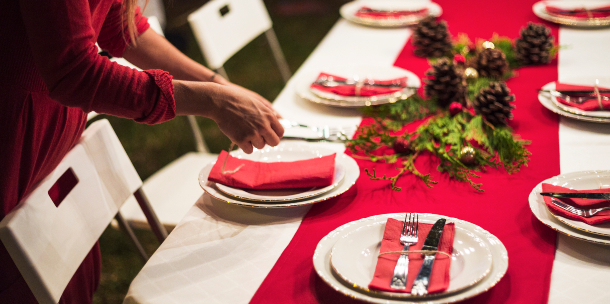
point(172, 191)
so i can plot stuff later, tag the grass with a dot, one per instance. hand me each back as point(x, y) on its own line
point(299, 25)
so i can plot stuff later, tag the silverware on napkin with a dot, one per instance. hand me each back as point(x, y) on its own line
point(577, 195)
point(408, 237)
point(574, 91)
point(580, 212)
point(420, 285)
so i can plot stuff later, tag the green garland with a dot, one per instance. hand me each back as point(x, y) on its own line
point(444, 136)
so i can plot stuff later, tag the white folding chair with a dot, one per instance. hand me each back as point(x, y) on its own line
point(223, 27)
point(48, 239)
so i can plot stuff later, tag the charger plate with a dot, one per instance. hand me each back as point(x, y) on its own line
point(348, 11)
point(582, 180)
point(304, 82)
point(539, 9)
point(322, 261)
point(554, 106)
point(287, 152)
point(354, 258)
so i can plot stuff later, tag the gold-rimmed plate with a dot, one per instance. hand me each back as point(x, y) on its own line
point(539, 9)
point(553, 105)
point(303, 85)
point(286, 151)
point(354, 258)
point(322, 262)
point(581, 180)
point(348, 11)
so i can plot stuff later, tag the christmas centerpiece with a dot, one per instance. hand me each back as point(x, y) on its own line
point(466, 107)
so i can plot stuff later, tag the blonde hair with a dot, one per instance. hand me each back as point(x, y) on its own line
point(129, 9)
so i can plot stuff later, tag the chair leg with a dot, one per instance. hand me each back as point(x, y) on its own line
point(278, 55)
point(221, 71)
point(151, 216)
point(201, 147)
point(127, 229)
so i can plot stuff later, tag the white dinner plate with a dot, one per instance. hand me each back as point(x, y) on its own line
point(581, 180)
point(284, 195)
point(322, 261)
point(287, 152)
point(539, 9)
point(548, 102)
point(348, 11)
point(354, 258)
point(303, 85)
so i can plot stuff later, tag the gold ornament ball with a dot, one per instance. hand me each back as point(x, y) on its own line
point(467, 155)
point(471, 73)
point(488, 45)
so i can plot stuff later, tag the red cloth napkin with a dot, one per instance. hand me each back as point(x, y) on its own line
point(580, 13)
point(314, 172)
point(439, 280)
point(367, 12)
point(581, 203)
point(589, 105)
point(350, 90)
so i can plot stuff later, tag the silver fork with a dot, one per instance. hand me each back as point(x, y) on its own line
point(322, 131)
point(576, 99)
point(408, 237)
point(578, 211)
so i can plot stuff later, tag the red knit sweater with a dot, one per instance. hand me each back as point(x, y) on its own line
point(50, 76)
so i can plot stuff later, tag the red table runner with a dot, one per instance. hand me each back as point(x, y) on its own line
point(502, 210)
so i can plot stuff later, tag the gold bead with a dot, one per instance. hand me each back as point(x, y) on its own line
point(488, 45)
point(471, 73)
point(467, 155)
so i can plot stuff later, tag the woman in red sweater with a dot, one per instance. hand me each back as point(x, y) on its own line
point(51, 76)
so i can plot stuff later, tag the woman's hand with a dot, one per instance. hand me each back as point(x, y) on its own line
point(245, 117)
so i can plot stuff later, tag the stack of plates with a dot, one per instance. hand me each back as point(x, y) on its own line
point(348, 11)
point(583, 180)
point(346, 174)
point(346, 258)
point(304, 90)
point(550, 102)
point(539, 9)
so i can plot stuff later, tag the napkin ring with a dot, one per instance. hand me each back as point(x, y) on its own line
point(598, 95)
point(225, 163)
point(409, 251)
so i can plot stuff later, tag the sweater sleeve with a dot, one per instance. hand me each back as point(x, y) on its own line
point(62, 39)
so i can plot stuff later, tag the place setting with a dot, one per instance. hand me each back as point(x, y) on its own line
point(389, 13)
point(287, 175)
point(581, 98)
point(357, 86)
point(410, 258)
point(574, 13)
point(576, 204)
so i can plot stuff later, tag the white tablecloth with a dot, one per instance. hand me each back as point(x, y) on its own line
point(221, 253)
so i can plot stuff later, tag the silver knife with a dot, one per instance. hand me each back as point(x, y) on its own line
point(420, 285)
point(577, 195)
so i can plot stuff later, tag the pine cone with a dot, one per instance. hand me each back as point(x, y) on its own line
point(431, 38)
point(445, 82)
point(535, 44)
point(491, 63)
point(493, 103)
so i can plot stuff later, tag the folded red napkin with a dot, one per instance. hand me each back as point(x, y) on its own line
point(589, 105)
point(314, 172)
point(367, 12)
point(351, 89)
point(601, 217)
point(439, 280)
point(580, 13)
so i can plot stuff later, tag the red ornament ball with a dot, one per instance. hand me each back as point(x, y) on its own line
point(459, 59)
point(402, 146)
point(455, 108)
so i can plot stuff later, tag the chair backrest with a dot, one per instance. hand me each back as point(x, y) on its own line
point(223, 27)
point(47, 238)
